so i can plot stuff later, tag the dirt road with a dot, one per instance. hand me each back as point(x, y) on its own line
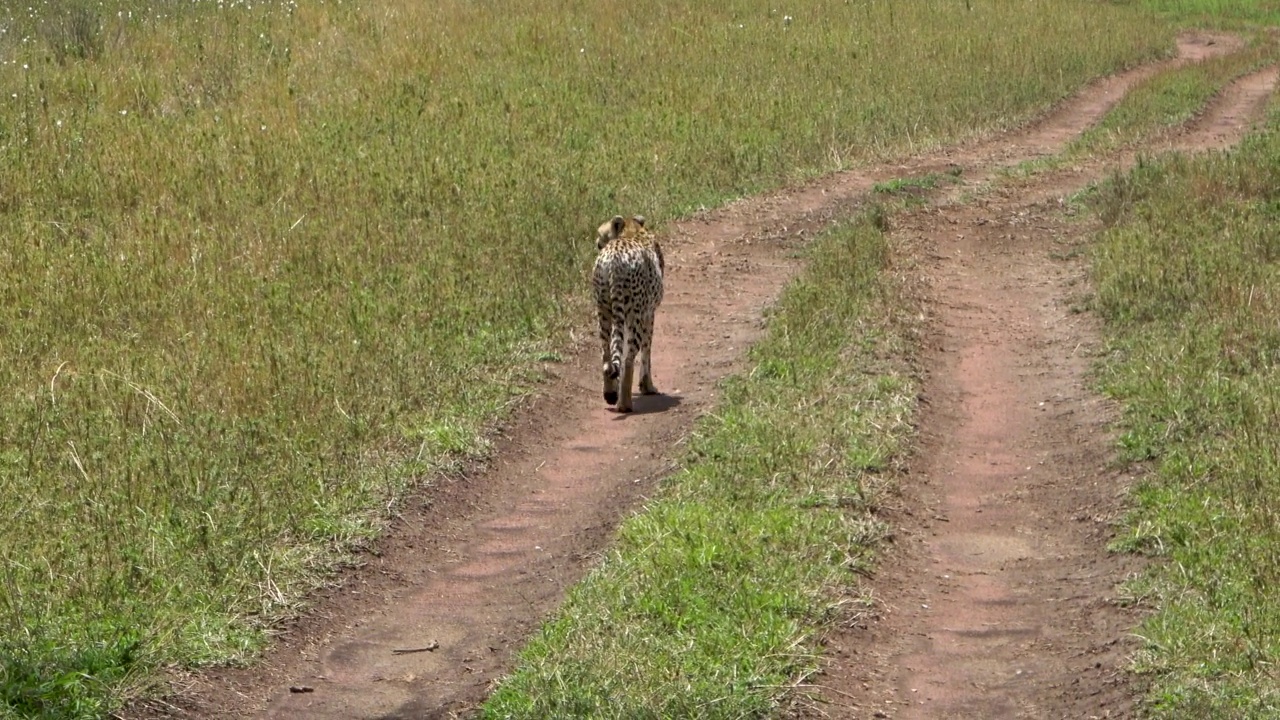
point(999, 600)
point(1010, 437)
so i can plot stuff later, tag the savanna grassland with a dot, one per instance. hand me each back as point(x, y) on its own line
point(691, 615)
point(267, 267)
point(1188, 280)
point(1244, 14)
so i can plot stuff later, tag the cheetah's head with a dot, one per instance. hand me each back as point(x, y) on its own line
point(616, 228)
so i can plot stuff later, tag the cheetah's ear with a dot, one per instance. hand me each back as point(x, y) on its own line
point(639, 220)
point(609, 231)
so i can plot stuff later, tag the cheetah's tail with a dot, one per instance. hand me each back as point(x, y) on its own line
point(617, 349)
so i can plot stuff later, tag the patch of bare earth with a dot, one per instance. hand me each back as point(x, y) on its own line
point(998, 599)
point(469, 569)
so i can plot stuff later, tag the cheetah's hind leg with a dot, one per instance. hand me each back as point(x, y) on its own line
point(646, 368)
point(610, 377)
point(610, 389)
point(646, 373)
point(627, 381)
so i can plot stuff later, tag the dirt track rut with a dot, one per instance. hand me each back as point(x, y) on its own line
point(472, 572)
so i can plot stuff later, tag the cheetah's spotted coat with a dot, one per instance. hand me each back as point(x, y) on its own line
point(627, 280)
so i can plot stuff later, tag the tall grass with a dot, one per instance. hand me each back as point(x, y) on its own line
point(1188, 279)
point(711, 604)
point(265, 265)
point(1226, 13)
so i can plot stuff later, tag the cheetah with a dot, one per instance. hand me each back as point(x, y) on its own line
point(627, 280)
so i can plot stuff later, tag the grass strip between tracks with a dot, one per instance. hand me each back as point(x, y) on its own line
point(713, 599)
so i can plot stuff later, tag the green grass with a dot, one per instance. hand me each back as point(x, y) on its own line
point(716, 594)
point(1169, 100)
point(1217, 13)
point(916, 186)
point(1157, 107)
point(256, 277)
point(1188, 281)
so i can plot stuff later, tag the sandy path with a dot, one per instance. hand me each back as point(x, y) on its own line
point(471, 569)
